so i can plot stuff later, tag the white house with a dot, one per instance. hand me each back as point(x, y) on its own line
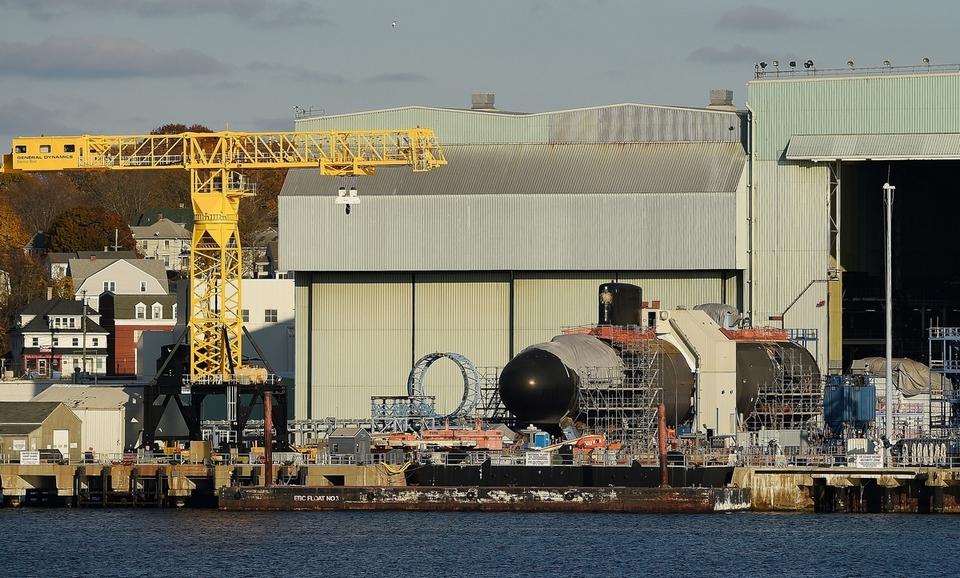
point(164, 241)
point(91, 277)
point(267, 312)
point(57, 336)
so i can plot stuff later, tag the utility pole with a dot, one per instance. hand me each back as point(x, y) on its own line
point(888, 414)
point(83, 325)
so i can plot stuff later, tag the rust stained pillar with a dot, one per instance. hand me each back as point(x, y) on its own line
point(267, 438)
point(662, 444)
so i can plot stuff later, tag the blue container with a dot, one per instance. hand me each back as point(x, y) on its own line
point(848, 403)
point(541, 439)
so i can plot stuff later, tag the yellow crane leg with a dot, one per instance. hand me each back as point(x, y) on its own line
point(216, 324)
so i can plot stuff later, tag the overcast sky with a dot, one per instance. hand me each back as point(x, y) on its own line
point(126, 66)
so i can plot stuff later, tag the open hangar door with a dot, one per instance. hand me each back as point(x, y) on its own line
point(926, 253)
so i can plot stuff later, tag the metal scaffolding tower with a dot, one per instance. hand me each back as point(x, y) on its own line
point(792, 400)
point(944, 376)
point(491, 408)
point(622, 403)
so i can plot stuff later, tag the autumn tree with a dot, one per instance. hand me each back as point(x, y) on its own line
point(39, 197)
point(27, 282)
point(89, 229)
point(13, 233)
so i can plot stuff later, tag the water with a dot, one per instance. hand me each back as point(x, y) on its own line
point(209, 543)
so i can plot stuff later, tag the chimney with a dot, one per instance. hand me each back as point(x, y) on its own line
point(482, 101)
point(721, 99)
point(159, 216)
point(49, 293)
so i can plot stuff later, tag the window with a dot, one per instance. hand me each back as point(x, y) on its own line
point(166, 243)
point(45, 149)
point(96, 342)
point(56, 342)
point(76, 342)
point(21, 149)
point(35, 341)
point(99, 364)
point(245, 315)
point(143, 286)
point(69, 148)
point(141, 311)
point(270, 316)
point(166, 261)
point(110, 286)
point(157, 312)
point(73, 322)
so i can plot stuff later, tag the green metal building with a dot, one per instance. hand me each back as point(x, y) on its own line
point(775, 210)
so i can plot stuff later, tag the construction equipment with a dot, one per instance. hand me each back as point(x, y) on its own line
point(217, 163)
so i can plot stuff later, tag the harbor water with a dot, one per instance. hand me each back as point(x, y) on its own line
point(117, 542)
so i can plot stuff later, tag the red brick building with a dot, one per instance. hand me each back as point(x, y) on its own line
point(126, 317)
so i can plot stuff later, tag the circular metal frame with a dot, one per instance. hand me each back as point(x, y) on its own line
point(471, 381)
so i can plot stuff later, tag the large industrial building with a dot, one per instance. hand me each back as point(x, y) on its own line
point(776, 210)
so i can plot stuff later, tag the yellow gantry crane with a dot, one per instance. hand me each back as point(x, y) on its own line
point(218, 163)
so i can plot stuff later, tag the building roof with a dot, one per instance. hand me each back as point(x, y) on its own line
point(81, 269)
point(125, 306)
point(26, 412)
point(85, 397)
point(56, 307)
point(37, 242)
point(553, 169)
point(39, 325)
point(162, 229)
point(616, 123)
point(65, 257)
point(181, 214)
point(875, 147)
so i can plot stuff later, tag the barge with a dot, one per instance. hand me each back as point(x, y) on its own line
point(485, 499)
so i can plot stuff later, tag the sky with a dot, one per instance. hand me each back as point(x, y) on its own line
point(127, 66)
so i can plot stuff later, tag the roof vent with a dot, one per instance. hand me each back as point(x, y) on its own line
point(721, 99)
point(482, 101)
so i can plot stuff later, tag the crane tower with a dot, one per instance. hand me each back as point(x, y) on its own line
point(218, 164)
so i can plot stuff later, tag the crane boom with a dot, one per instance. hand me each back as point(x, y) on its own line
point(217, 163)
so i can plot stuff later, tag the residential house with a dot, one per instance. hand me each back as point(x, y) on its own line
point(58, 264)
point(164, 241)
point(58, 336)
point(94, 276)
point(182, 215)
point(127, 317)
point(38, 245)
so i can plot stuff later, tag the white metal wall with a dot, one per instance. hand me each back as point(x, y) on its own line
point(104, 430)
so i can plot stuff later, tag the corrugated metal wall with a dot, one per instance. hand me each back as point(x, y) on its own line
point(510, 232)
point(851, 105)
point(366, 330)
point(614, 123)
point(361, 329)
point(461, 313)
point(792, 245)
point(102, 430)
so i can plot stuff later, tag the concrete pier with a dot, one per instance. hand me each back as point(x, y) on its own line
point(814, 489)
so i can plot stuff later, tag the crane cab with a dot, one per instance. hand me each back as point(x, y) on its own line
point(45, 153)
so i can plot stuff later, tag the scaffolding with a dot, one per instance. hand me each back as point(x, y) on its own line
point(793, 399)
point(621, 403)
point(944, 376)
point(491, 408)
point(403, 413)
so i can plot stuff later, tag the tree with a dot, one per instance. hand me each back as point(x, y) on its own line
point(89, 229)
point(177, 128)
point(40, 197)
point(13, 233)
point(27, 282)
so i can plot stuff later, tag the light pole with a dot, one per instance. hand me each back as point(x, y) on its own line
point(888, 414)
